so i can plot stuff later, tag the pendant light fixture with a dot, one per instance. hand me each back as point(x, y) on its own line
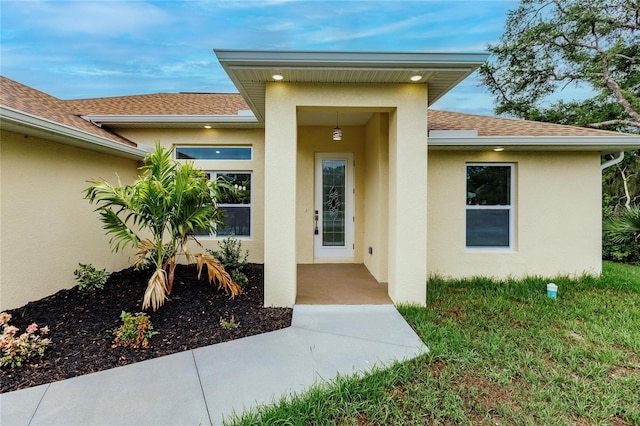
point(337, 131)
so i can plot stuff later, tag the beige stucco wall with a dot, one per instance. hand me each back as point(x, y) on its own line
point(47, 226)
point(557, 212)
point(221, 137)
point(312, 140)
point(376, 221)
point(408, 197)
point(280, 269)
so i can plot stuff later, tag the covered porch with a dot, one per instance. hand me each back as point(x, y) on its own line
point(382, 157)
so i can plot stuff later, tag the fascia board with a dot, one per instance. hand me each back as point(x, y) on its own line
point(76, 137)
point(167, 118)
point(540, 143)
point(340, 58)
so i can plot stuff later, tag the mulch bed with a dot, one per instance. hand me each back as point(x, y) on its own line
point(81, 323)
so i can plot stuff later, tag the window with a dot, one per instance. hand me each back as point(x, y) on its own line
point(213, 152)
point(236, 207)
point(489, 206)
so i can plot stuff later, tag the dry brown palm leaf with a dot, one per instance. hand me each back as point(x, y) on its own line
point(215, 271)
point(187, 254)
point(144, 248)
point(156, 292)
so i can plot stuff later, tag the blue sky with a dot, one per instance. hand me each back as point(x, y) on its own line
point(85, 49)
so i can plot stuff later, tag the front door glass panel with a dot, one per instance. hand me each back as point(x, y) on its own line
point(333, 203)
point(334, 210)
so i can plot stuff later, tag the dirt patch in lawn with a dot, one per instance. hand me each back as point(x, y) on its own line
point(81, 323)
point(484, 397)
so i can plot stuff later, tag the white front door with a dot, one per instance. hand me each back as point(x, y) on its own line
point(334, 213)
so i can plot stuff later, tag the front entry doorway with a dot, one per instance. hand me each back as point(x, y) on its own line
point(334, 214)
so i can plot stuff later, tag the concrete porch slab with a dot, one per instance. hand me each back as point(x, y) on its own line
point(339, 284)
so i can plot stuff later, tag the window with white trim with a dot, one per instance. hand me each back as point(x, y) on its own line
point(489, 215)
point(236, 205)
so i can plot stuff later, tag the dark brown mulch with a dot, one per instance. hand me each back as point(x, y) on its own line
point(82, 323)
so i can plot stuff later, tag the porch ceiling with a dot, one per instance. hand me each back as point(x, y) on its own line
point(251, 70)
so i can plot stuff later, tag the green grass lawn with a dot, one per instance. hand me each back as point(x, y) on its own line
point(501, 353)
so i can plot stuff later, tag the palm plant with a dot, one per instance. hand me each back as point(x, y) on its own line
point(625, 227)
point(169, 200)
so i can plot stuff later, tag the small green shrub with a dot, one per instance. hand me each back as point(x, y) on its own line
point(231, 254)
point(229, 324)
point(233, 258)
point(239, 278)
point(14, 349)
point(89, 278)
point(135, 331)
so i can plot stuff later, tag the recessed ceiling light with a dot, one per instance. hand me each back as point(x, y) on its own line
point(498, 149)
point(206, 126)
point(277, 77)
point(416, 77)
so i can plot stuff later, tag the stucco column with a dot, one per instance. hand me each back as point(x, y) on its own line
point(280, 198)
point(408, 199)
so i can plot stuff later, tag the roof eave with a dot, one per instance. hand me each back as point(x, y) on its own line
point(177, 120)
point(337, 58)
point(604, 144)
point(446, 69)
point(32, 125)
point(168, 118)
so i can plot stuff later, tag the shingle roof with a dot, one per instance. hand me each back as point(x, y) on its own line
point(499, 126)
point(164, 104)
point(34, 102)
point(29, 100)
point(231, 103)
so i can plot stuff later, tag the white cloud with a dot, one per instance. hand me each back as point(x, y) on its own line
point(93, 18)
point(91, 71)
point(333, 35)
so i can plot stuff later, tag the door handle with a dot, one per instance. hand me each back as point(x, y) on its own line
point(315, 219)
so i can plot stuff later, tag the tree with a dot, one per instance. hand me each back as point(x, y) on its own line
point(169, 201)
point(549, 44)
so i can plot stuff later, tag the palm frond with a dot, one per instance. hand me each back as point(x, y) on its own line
point(145, 247)
point(624, 227)
point(216, 272)
point(111, 201)
point(156, 292)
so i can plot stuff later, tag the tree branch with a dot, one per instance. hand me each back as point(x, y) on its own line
point(497, 86)
point(625, 184)
point(613, 123)
point(611, 84)
point(617, 92)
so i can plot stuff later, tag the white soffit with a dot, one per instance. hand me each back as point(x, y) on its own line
point(250, 70)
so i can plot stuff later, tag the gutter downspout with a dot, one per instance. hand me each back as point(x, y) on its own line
point(613, 162)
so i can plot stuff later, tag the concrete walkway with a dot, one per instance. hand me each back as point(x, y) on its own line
point(203, 386)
